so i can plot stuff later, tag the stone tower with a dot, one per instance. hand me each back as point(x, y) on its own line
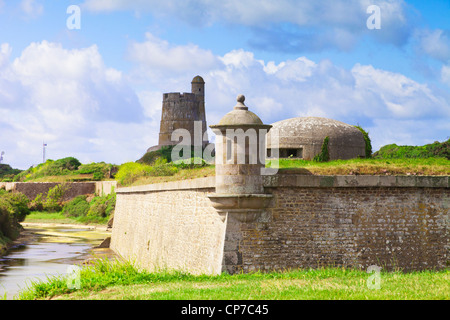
point(183, 111)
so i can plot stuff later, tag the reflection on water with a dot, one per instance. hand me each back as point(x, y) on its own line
point(54, 250)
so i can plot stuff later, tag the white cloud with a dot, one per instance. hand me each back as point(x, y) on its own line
point(260, 12)
point(31, 8)
point(156, 56)
point(279, 25)
point(61, 96)
point(5, 53)
point(299, 70)
point(435, 43)
point(402, 97)
point(445, 74)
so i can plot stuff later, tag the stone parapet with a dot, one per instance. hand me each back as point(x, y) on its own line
point(305, 181)
point(294, 180)
point(192, 184)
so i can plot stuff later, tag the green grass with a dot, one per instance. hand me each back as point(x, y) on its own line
point(58, 217)
point(112, 279)
point(416, 166)
point(42, 215)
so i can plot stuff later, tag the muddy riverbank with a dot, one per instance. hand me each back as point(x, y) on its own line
point(47, 249)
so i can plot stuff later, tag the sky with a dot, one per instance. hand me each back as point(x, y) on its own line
point(86, 77)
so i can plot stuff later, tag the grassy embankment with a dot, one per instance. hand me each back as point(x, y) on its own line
point(432, 159)
point(138, 174)
point(109, 280)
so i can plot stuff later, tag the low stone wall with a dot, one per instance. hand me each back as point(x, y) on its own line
point(312, 221)
point(32, 189)
point(103, 188)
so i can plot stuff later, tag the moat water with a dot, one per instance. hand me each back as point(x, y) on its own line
point(53, 251)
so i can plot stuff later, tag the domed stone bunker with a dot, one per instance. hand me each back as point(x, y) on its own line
point(303, 138)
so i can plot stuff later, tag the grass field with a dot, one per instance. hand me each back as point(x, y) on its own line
point(419, 166)
point(111, 279)
point(55, 217)
point(416, 166)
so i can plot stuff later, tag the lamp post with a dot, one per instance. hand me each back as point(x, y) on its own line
point(43, 152)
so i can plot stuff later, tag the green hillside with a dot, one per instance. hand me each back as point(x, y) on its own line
point(6, 172)
point(66, 169)
point(433, 150)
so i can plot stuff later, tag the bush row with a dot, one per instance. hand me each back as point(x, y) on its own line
point(99, 209)
point(87, 209)
point(432, 150)
point(65, 166)
point(13, 210)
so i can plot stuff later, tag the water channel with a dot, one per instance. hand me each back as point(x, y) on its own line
point(50, 250)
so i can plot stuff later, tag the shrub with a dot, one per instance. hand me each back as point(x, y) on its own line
point(323, 156)
point(69, 163)
point(167, 169)
point(368, 149)
point(7, 173)
point(77, 207)
point(52, 201)
point(131, 171)
point(433, 150)
point(49, 168)
point(7, 228)
point(13, 209)
point(54, 197)
point(100, 208)
point(150, 157)
point(38, 203)
point(99, 171)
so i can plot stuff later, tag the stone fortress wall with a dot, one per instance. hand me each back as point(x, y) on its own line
point(311, 221)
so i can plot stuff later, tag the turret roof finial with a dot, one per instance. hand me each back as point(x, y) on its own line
point(240, 103)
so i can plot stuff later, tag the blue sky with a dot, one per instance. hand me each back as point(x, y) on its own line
point(95, 92)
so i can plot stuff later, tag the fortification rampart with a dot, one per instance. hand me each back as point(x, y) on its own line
point(246, 218)
point(311, 221)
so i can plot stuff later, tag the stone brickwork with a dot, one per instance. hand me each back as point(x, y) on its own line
point(311, 221)
point(168, 226)
point(391, 227)
point(32, 189)
point(183, 111)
